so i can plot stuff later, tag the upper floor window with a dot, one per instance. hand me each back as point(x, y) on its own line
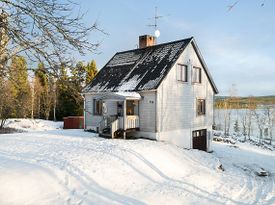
point(97, 107)
point(200, 107)
point(196, 75)
point(182, 72)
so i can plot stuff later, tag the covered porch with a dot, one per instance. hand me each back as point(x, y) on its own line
point(120, 113)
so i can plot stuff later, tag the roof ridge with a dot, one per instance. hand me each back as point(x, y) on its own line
point(157, 45)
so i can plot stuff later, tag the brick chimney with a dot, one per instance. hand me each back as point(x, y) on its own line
point(146, 40)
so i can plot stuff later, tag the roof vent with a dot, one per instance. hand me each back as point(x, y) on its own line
point(146, 40)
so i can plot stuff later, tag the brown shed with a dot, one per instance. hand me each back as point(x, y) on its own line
point(73, 122)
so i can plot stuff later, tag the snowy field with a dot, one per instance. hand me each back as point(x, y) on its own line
point(73, 167)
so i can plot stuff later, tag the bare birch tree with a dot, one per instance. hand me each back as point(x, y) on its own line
point(261, 120)
point(44, 31)
point(270, 112)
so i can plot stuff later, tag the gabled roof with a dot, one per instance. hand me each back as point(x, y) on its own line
point(139, 69)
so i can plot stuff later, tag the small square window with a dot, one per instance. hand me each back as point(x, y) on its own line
point(182, 72)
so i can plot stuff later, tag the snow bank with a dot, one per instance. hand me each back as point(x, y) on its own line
point(33, 124)
point(77, 167)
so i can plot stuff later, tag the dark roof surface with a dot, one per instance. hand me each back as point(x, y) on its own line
point(139, 69)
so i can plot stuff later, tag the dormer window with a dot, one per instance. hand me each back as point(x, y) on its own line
point(196, 75)
point(182, 72)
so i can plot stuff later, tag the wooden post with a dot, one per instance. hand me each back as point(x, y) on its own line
point(124, 119)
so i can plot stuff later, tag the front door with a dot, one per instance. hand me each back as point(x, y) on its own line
point(199, 139)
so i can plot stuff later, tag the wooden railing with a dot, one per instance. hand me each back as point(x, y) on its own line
point(114, 127)
point(132, 121)
point(106, 122)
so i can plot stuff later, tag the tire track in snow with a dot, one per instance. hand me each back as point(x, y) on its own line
point(90, 187)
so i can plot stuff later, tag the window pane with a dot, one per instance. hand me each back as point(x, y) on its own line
point(182, 72)
point(200, 107)
point(97, 107)
point(196, 75)
point(178, 72)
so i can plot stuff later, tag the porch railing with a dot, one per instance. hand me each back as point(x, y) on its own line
point(132, 121)
point(114, 127)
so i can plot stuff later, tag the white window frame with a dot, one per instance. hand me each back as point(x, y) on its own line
point(201, 107)
point(196, 75)
point(182, 72)
point(97, 107)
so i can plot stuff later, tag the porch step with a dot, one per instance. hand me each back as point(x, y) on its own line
point(105, 135)
point(132, 129)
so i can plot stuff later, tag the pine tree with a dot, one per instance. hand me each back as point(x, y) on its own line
point(6, 102)
point(43, 92)
point(78, 75)
point(91, 71)
point(236, 126)
point(20, 87)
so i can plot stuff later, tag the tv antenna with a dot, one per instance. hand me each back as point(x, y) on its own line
point(155, 25)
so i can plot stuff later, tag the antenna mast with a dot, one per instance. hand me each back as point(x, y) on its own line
point(155, 25)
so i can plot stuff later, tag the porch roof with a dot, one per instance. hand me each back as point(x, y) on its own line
point(117, 96)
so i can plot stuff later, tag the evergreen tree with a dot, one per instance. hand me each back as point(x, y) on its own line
point(67, 95)
point(69, 87)
point(78, 75)
point(91, 71)
point(43, 92)
point(6, 101)
point(20, 87)
point(236, 126)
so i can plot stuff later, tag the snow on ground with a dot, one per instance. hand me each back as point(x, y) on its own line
point(33, 124)
point(77, 167)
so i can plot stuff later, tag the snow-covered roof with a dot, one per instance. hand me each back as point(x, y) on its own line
point(139, 69)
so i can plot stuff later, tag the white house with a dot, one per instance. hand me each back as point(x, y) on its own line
point(163, 92)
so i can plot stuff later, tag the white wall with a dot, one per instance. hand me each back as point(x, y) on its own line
point(91, 121)
point(147, 111)
point(176, 103)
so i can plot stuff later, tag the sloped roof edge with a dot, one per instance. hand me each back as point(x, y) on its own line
point(197, 50)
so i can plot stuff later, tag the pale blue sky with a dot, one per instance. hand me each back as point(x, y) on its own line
point(238, 46)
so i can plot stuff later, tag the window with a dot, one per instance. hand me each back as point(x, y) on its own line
point(97, 107)
point(200, 107)
point(132, 107)
point(196, 77)
point(199, 133)
point(182, 72)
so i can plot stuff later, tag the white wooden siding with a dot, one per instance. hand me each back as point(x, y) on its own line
point(176, 102)
point(147, 112)
point(90, 119)
point(111, 107)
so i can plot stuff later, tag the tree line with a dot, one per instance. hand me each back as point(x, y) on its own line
point(246, 114)
point(44, 34)
point(35, 93)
